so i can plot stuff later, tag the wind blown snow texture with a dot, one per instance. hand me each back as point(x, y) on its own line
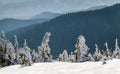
point(112, 67)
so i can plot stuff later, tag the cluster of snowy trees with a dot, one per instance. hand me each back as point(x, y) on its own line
point(81, 53)
point(11, 53)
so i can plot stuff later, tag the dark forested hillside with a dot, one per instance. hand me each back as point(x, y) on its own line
point(97, 26)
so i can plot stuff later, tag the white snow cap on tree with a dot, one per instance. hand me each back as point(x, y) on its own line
point(106, 45)
point(96, 48)
point(3, 41)
point(25, 43)
point(15, 42)
point(46, 39)
point(25, 46)
point(116, 44)
point(44, 45)
point(3, 36)
point(80, 41)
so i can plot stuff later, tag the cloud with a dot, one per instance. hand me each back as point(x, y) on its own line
point(5, 2)
point(25, 8)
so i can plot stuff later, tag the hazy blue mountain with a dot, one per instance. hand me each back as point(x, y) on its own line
point(46, 15)
point(97, 26)
point(91, 8)
point(10, 24)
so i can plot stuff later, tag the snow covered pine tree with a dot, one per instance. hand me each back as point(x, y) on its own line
point(81, 49)
point(16, 47)
point(108, 54)
point(116, 52)
point(44, 49)
point(34, 56)
point(3, 44)
point(71, 57)
point(97, 54)
point(64, 56)
point(7, 52)
point(25, 55)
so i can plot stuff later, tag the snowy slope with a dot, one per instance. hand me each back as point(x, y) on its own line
point(112, 67)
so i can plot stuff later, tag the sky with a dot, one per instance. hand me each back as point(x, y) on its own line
point(23, 9)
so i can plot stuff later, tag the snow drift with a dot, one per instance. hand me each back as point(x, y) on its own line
point(112, 67)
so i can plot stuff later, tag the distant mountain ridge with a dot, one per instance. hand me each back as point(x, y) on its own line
point(97, 26)
point(47, 14)
point(10, 24)
point(96, 8)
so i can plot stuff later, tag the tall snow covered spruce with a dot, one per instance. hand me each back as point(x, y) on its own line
point(16, 47)
point(116, 52)
point(81, 49)
point(7, 52)
point(44, 49)
point(108, 53)
point(34, 55)
point(97, 54)
point(25, 55)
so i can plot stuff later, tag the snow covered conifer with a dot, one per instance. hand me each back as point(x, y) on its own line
point(116, 53)
point(65, 56)
point(72, 57)
point(10, 51)
point(16, 47)
point(34, 56)
point(3, 44)
point(25, 55)
point(116, 44)
point(44, 49)
point(3, 36)
point(81, 49)
point(3, 41)
point(91, 57)
point(108, 53)
point(60, 58)
point(97, 54)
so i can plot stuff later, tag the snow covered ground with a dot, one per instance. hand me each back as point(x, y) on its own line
point(112, 67)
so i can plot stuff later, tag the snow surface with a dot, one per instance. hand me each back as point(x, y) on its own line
point(112, 67)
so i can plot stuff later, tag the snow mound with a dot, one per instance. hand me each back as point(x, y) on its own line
point(112, 67)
